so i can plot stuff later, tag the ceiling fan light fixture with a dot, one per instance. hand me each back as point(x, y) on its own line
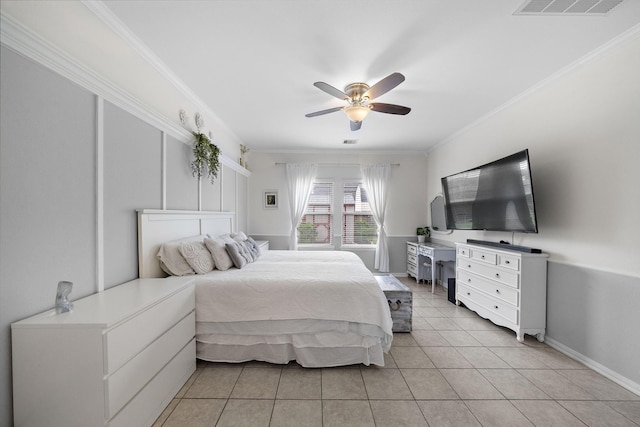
point(356, 113)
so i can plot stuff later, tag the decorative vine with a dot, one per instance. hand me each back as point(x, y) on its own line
point(206, 157)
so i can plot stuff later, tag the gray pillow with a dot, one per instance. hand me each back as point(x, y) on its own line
point(255, 250)
point(245, 252)
point(235, 250)
point(219, 252)
point(246, 249)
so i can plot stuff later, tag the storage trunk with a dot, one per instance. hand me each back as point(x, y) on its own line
point(400, 302)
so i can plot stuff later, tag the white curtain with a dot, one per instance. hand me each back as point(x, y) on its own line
point(375, 179)
point(300, 178)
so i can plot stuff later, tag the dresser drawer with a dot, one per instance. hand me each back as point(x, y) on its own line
point(128, 339)
point(127, 381)
point(425, 251)
point(493, 305)
point(412, 268)
point(464, 251)
point(412, 249)
point(499, 274)
point(484, 256)
point(159, 392)
point(412, 259)
point(505, 293)
point(509, 261)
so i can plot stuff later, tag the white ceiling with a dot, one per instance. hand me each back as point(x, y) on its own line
point(254, 62)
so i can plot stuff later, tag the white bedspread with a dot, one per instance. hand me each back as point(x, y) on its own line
point(299, 286)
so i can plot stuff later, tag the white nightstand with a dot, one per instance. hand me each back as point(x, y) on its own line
point(263, 245)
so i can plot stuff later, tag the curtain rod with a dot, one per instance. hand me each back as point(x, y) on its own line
point(336, 164)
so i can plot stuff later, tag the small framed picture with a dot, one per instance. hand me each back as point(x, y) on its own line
point(270, 199)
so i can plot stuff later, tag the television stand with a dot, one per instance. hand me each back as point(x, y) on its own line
point(506, 246)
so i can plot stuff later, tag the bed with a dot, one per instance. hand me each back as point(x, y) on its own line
point(318, 308)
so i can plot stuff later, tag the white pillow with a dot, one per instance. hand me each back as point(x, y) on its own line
point(197, 256)
point(218, 251)
point(171, 260)
point(239, 236)
point(226, 237)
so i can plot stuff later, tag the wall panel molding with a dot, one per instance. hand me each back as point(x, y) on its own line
point(29, 44)
point(163, 169)
point(99, 193)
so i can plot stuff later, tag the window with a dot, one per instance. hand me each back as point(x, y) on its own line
point(356, 222)
point(315, 227)
point(358, 225)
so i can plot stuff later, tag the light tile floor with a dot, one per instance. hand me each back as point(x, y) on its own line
point(453, 369)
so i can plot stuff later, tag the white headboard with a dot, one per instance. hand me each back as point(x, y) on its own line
point(156, 227)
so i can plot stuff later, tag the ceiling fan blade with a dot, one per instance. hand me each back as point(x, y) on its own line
point(331, 90)
point(384, 85)
point(355, 125)
point(389, 108)
point(320, 113)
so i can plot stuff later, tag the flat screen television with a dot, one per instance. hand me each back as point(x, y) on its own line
point(497, 196)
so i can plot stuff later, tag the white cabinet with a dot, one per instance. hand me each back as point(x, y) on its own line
point(117, 359)
point(507, 287)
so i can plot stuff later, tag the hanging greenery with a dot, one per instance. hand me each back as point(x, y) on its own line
point(205, 157)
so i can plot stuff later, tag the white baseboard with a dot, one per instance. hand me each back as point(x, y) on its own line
point(592, 364)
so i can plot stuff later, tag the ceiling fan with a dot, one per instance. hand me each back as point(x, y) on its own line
point(358, 95)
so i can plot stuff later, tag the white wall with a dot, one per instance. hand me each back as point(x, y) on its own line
point(406, 207)
point(583, 134)
point(405, 210)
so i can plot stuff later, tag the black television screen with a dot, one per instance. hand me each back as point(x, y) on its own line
point(497, 196)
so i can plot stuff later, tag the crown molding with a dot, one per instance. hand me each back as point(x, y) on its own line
point(27, 43)
point(630, 34)
point(121, 30)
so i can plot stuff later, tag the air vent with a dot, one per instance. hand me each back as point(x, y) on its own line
point(349, 141)
point(567, 7)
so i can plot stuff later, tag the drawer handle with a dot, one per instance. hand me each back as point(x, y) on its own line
point(469, 293)
point(496, 307)
point(497, 291)
point(469, 280)
point(497, 275)
point(482, 257)
point(469, 266)
point(507, 262)
point(398, 304)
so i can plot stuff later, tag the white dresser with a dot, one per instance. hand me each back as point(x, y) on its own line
point(507, 287)
point(117, 359)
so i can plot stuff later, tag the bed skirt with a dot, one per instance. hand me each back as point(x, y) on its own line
point(285, 353)
point(337, 344)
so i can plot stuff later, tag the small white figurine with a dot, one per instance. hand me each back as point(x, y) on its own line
point(63, 305)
